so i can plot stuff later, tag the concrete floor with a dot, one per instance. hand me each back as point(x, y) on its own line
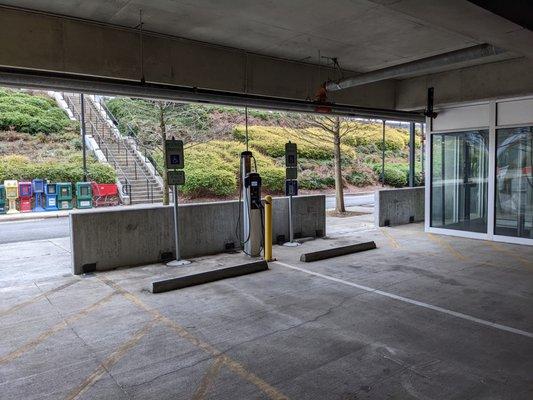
point(451, 319)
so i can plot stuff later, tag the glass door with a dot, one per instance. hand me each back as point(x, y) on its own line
point(459, 180)
point(514, 182)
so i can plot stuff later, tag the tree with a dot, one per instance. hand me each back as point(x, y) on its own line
point(332, 129)
point(151, 122)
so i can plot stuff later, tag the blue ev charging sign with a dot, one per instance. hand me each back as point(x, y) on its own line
point(174, 151)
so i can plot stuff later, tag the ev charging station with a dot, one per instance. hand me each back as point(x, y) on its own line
point(291, 185)
point(12, 194)
point(38, 189)
point(252, 209)
point(50, 192)
point(175, 177)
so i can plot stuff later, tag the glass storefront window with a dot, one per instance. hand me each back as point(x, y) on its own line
point(514, 182)
point(459, 180)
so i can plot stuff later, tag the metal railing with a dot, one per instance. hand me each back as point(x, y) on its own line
point(99, 133)
point(130, 133)
point(136, 148)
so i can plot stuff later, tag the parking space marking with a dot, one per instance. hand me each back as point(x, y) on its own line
point(411, 301)
point(498, 247)
point(110, 361)
point(56, 328)
point(447, 246)
point(207, 379)
point(393, 241)
point(232, 364)
point(37, 298)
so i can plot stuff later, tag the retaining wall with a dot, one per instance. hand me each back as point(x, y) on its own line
point(104, 239)
point(399, 206)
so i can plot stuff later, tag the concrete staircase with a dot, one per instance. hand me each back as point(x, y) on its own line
point(134, 172)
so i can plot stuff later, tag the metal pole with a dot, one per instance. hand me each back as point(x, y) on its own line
point(412, 154)
point(176, 227)
point(268, 228)
point(82, 102)
point(178, 261)
point(383, 157)
point(291, 228)
point(291, 242)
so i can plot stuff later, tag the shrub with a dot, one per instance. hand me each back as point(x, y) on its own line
point(361, 178)
point(201, 182)
point(22, 169)
point(270, 140)
point(313, 181)
point(28, 113)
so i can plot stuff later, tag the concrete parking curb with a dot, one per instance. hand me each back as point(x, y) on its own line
point(208, 276)
point(337, 251)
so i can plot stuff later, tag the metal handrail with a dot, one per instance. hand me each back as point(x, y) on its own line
point(130, 132)
point(149, 183)
point(126, 186)
point(120, 141)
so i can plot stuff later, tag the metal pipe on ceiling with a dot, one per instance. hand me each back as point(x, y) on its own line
point(421, 66)
point(121, 87)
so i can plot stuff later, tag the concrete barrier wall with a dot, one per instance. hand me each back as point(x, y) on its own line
point(399, 206)
point(104, 239)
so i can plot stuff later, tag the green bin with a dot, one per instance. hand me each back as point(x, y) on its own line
point(64, 196)
point(84, 195)
point(2, 199)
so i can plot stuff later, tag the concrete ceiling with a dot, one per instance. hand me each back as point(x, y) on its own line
point(363, 35)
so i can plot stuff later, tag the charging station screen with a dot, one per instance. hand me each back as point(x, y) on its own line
point(64, 191)
point(52, 189)
point(84, 191)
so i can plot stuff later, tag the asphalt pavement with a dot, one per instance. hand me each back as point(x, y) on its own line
point(352, 200)
point(33, 229)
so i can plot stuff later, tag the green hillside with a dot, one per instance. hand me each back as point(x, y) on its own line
point(212, 161)
point(38, 140)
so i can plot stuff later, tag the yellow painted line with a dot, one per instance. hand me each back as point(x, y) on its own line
point(207, 379)
point(56, 328)
point(498, 247)
point(109, 362)
point(447, 246)
point(232, 364)
point(36, 298)
point(394, 243)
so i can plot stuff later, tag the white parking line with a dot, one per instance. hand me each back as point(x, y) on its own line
point(411, 301)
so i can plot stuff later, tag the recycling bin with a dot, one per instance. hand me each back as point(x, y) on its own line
point(64, 195)
point(84, 195)
point(2, 199)
point(12, 194)
point(50, 193)
point(38, 189)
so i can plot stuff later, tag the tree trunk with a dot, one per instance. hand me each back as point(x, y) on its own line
point(339, 190)
point(163, 127)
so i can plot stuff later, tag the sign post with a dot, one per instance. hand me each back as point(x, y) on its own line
point(175, 177)
point(291, 185)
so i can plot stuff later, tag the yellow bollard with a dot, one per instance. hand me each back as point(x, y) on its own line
point(268, 228)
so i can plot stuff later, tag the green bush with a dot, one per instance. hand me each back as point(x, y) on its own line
point(313, 181)
point(360, 178)
point(270, 140)
point(23, 112)
point(22, 169)
point(202, 182)
point(397, 174)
